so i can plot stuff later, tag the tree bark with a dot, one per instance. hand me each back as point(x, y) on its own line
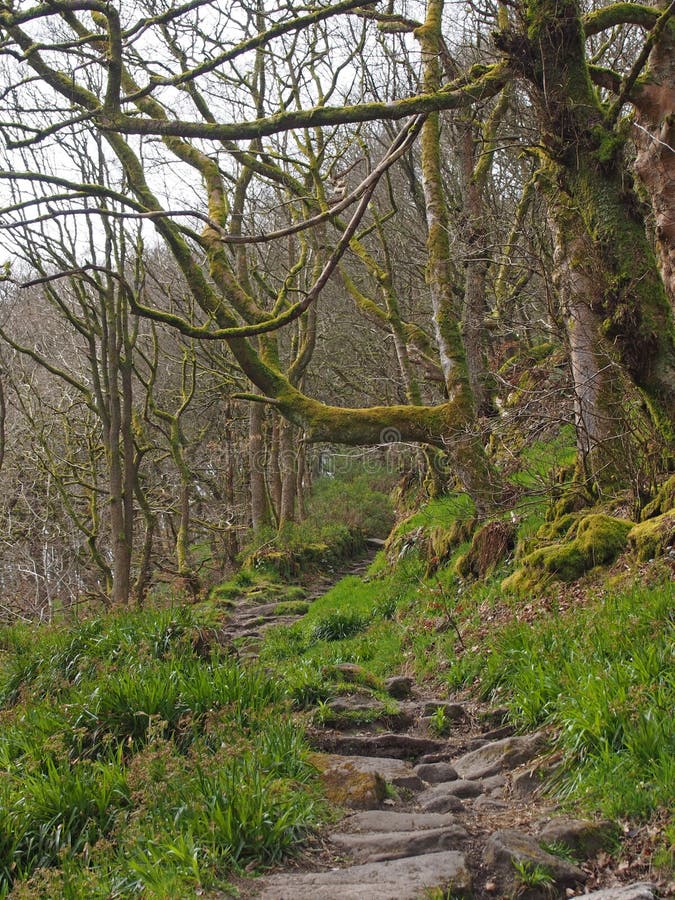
point(463, 442)
point(654, 135)
point(260, 512)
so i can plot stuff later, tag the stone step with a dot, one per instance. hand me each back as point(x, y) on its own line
point(388, 744)
point(379, 846)
point(499, 756)
point(400, 879)
point(389, 820)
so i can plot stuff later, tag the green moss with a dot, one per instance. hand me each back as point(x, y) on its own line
point(557, 528)
point(650, 539)
point(664, 500)
point(564, 561)
point(593, 540)
point(444, 541)
point(291, 608)
point(601, 538)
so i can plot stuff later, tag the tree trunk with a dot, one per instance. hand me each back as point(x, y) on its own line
point(260, 512)
point(287, 472)
point(274, 470)
point(463, 443)
point(612, 293)
point(654, 136)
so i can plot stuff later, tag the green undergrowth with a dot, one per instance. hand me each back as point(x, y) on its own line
point(354, 623)
point(138, 759)
point(592, 661)
point(602, 675)
point(342, 512)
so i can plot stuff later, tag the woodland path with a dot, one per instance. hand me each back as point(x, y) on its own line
point(435, 818)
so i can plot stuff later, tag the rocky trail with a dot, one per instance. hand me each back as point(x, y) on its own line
point(429, 817)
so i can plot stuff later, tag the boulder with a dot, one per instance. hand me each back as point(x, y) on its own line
point(391, 771)
point(435, 773)
point(494, 783)
point(463, 788)
point(526, 784)
point(653, 537)
point(499, 756)
point(454, 712)
point(583, 837)
point(439, 799)
point(399, 687)
point(507, 850)
point(348, 785)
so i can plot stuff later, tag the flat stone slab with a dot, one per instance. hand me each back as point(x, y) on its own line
point(643, 891)
point(389, 820)
point(489, 803)
point(378, 846)
point(356, 704)
point(388, 744)
point(499, 756)
point(398, 879)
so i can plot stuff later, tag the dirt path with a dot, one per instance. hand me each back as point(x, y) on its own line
point(436, 817)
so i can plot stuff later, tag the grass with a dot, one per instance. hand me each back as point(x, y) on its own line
point(532, 875)
point(603, 677)
point(130, 765)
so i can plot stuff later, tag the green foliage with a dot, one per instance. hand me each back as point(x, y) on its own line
point(337, 625)
point(532, 875)
point(561, 850)
point(439, 723)
point(131, 765)
point(341, 513)
point(359, 500)
point(603, 677)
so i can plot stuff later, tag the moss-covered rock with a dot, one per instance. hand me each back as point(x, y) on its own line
point(345, 784)
point(664, 500)
point(557, 528)
point(589, 541)
point(651, 538)
point(601, 538)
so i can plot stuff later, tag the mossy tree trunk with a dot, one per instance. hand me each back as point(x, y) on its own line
point(617, 314)
point(463, 442)
point(260, 510)
point(654, 135)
